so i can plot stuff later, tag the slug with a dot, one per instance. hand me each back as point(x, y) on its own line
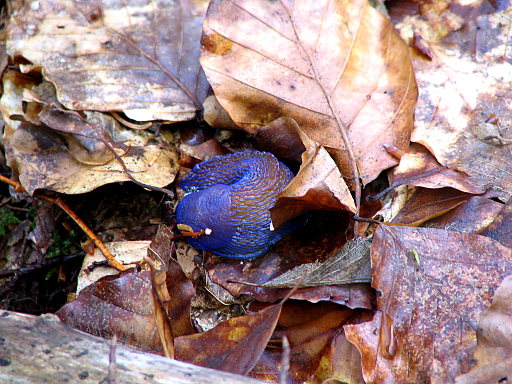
point(227, 204)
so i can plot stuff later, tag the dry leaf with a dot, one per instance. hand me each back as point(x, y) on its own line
point(494, 341)
point(128, 253)
point(501, 229)
point(281, 137)
point(324, 64)
point(473, 216)
point(317, 186)
point(234, 345)
point(310, 330)
point(417, 161)
point(426, 204)
point(140, 58)
point(464, 107)
point(119, 306)
point(341, 362)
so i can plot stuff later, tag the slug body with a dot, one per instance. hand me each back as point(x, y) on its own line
point(230, 196)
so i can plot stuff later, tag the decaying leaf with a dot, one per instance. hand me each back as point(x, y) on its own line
point(234, 345)
point(501, 228)
point(328, 65)
point(150, 161)
point(282, 138)
point(119, 306)
point(67, 152)
point(476, 215)
point(431, 285)
point(464, 109)
point(426, 204)
point(140, 58)
point(350, 265)
point(310, 330)
point(345, 362)
point(419, 167)
point(494, 341)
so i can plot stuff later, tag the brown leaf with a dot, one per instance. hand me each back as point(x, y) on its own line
point(345, 362)
point(203, 151)
point(216, 116)
point(138, 58)
point(500, 228)
point(431, 285)
point(282, 138)
point(234, 345)
point(365, 336)
point(455, 124)
point(329, 66)
point(317, 186)
point(310, 330)
point(151, 161)
point(494, 341)
point(417, 161)
point(119, 306)
point(426, 204)
point(473, 216)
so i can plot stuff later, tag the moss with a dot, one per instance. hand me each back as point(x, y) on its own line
point(7, 221)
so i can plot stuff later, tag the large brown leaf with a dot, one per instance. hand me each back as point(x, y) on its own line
point(329, 65)
point(431, 285)
point(140, 58)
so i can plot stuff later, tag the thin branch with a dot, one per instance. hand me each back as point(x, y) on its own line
point(90, 234)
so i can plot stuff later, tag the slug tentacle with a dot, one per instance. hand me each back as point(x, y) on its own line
point(232, 196)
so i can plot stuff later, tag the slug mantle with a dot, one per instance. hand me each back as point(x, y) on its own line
point(228, 201)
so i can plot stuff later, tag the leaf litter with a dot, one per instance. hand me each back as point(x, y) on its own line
point(330, 89)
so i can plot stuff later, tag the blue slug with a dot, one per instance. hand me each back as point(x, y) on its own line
point(229, 197)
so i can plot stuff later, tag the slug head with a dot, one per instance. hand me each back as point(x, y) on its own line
point(207, 209)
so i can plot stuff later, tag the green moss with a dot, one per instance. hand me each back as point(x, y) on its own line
point(7, 221)
point(62, 245)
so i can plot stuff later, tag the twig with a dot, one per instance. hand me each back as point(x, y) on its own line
point(405, 181)
point(90, 234)
point(46, 263)
point(99, 244)
point(15, 184)
point(126, 123)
